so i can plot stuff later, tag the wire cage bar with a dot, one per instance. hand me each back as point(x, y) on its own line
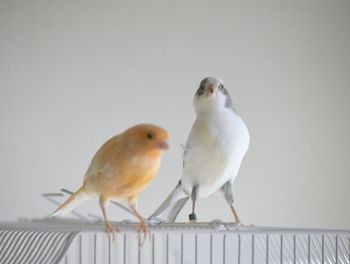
point(67, 241)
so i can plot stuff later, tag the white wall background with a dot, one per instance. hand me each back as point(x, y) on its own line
point(74, 73)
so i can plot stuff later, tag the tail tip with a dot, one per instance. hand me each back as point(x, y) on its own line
point(55, 213)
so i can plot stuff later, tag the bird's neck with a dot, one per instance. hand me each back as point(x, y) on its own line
point(147, 160)
point(206, 113)
point(147, 154)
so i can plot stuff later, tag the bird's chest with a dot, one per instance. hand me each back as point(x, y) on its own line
point(137, 169)
point(214, 151)
point(125, 177)
point(143, 168)
point(218, 135)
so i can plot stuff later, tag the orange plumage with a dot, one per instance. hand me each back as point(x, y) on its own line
point(121, 169)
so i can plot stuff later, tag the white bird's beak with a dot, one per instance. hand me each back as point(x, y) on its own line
point(211, 90)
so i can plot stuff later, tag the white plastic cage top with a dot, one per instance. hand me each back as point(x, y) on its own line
point(84, 241)
point(77, 241)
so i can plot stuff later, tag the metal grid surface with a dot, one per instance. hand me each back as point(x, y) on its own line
point(74, 241)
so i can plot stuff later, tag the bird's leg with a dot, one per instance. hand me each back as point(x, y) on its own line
point(111, 230)
point(194, 196)
point(238, 222)
point(143, 227)
point(228, 193)
point(235, 215)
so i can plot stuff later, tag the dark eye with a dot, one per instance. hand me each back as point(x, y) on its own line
point(221, 87)
point(149, 136)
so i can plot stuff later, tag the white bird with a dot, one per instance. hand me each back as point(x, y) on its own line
point(216, 145)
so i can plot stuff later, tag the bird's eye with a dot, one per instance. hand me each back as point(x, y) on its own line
point(221, 87)
point(149, 136)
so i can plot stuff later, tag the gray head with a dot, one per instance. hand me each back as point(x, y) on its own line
point(212, 93)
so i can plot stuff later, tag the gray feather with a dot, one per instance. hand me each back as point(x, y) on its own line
point(228, 192)
point(172, 205)
point(171, 217)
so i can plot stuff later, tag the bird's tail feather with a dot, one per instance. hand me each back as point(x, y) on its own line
point(172, 205)
point(176, 208)
point(71, 203)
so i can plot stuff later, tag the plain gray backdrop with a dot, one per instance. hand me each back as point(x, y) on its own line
point(74, 73)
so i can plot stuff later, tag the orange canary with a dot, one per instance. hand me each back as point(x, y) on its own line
point(121, 169)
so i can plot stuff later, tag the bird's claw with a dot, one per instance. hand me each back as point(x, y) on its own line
point(111, 231)
point(143, 228)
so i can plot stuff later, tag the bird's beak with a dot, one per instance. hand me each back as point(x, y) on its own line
point(163, 145)
point(211, 89)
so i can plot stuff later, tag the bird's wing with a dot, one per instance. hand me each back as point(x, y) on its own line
point(185, 148)
point(192, 140)
point(171, 206)
point(103, 156)
point(227, 189)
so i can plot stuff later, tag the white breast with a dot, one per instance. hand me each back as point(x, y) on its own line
point(215, 148)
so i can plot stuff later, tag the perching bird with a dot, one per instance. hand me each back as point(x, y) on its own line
point(216, 145)
point(121, 169)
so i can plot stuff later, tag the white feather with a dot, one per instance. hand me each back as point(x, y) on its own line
point(215, 147)
point(217, 143)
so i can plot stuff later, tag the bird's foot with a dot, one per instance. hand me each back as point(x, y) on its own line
point(155, 220)
point(144, 229)
point(243, 225)
point(111, 230)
